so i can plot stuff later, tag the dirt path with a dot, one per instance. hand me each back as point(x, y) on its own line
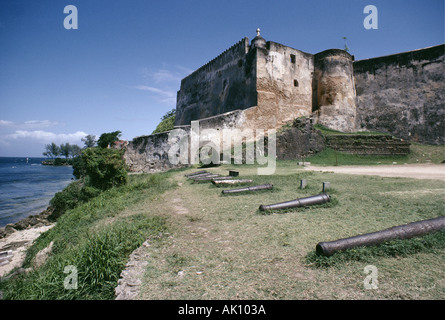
point(416, 171)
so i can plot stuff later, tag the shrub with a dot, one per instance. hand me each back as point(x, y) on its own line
point(101, 168)
point(70, 197)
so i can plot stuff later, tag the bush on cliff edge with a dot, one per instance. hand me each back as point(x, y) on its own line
point(97, 169)
point(102, 168)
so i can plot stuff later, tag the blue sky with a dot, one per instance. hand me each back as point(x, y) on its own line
point(121, 69)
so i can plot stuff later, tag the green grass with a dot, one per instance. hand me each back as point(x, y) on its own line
point(222, 247)
point(96, 238)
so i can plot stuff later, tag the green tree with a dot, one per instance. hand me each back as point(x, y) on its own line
point(75, 150)
point(167, 122)
point(106, 139)
point(65, 150)
point(89, 140)
point(52, 150)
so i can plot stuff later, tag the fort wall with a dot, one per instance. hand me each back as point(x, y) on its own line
point(284, 85)
point(265, 85)
point(403, 94)
point(224, 84)
point(334, 97)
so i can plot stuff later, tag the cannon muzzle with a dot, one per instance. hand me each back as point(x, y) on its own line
point(302, 202)
point(405, 231)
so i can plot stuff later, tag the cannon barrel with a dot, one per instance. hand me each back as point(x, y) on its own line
point(266, 186)
point(200, 175)
point(205, 177)
point(231, 181)
point(301, 202)
point(195, 173)
point(405, 231)
point(211, 178)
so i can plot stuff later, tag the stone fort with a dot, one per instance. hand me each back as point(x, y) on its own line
point(264, 84)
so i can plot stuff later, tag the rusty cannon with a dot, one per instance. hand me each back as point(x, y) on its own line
point(301, 202)
point(195, 173)
point(200, 175)
point(205, 177)
point(266, 186)
point(406, 231)
point(230, 181)
point(211, 178)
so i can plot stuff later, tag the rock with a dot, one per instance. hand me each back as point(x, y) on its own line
point(9, 228)
point(22, 224)
point(300, 140)
point(43, 255)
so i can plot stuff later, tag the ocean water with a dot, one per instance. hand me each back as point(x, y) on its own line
point(27, 186)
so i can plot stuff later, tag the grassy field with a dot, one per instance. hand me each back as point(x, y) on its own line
point(223, 247)
point(206, 245)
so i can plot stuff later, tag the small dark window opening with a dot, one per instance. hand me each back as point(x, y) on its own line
point(240, 63)
point(292, 58)
point(295, 83)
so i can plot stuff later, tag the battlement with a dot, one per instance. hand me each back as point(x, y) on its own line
point(241, 46)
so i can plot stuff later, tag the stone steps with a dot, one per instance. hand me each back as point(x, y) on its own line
point(379, 145)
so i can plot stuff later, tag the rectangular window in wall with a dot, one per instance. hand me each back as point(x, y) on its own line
point(292, 58)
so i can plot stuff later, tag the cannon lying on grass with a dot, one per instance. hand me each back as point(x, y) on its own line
point(405, 231)
point(199, 175)
point(302, 202)
point(233, 181)
point(211, 178)
point(266, 186)
point(208, 176)
point(195, 173)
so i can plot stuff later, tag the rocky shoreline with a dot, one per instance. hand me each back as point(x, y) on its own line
point(32, 221)
point(16, 238)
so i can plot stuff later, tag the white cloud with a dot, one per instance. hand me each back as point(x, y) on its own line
point(28, 125)
point(166, 76)
point(42, 137)
point(167, 93)
point(164, 95)
point(161, 81)
point(5, 123)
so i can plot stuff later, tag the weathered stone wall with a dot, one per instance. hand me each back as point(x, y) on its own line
point(333, 91)
point(284, 84)
point(224, 84)
point(275, 78)
point(403, 94)
point(149, 153)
